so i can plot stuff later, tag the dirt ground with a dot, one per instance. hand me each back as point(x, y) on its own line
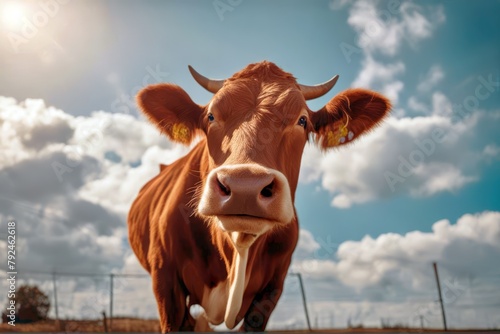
point(89, 326)
point(152, 326)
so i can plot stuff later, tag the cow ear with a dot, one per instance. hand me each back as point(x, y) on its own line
point(347, 116)
point(171, 109)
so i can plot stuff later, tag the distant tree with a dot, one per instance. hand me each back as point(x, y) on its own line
point(31, 304)
point(387, 324)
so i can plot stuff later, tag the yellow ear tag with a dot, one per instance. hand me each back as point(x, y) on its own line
point(337, 137)
point(332, 138)
point(343, 131)
point(180, 132)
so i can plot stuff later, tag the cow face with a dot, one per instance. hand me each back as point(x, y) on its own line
point(256, 127)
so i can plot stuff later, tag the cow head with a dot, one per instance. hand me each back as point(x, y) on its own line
point(256, 127)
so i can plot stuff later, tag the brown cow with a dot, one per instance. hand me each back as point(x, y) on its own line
point(218, 227)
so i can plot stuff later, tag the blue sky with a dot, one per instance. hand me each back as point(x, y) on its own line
point(428, 57)
point(90, 42)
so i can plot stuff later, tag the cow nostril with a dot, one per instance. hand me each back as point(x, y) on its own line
point(223, 188)
point(268, 190)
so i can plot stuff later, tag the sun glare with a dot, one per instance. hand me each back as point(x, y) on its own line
point(12, 15)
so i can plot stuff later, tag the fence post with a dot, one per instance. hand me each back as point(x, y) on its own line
point(304, 300)
point(104, 321)
point(55, 298)
point(111, 276)
point(434, 264)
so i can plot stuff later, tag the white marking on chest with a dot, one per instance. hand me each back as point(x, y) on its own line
point(214, 302)
point(223, 302)
point(237, 289)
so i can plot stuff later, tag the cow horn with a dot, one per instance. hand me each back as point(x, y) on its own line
point(312, 92)
point(211, 85)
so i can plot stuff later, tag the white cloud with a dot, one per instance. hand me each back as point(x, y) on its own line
point(394, 272)
point(28, 128)
point(57, 172)
point(123, 134)
point(342, 201)
point(392, 90)
point(383, 30)
point(406, 258)
point(401, 156)
point(84, 230)
point(418, 106)
point(491, 150)
point(306, 245)
point(338, 4)
point(441, 105)
point(396, 266)
point(376, 75)
point(431, 78)
point(438, 177)
point(124, 181)
point(390, 252)
point(420, 156)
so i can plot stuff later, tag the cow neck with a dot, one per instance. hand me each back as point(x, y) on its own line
point(235, 256)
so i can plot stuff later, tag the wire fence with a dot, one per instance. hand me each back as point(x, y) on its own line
point(85, 296)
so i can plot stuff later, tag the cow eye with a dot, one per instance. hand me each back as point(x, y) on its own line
point(303, 122)
point(211, 117)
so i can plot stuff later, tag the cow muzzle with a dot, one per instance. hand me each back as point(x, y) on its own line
point(247, 198)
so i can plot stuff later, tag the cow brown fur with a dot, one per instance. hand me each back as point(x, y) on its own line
point(187, 253)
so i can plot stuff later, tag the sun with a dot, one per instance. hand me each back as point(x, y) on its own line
point(12, 15)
